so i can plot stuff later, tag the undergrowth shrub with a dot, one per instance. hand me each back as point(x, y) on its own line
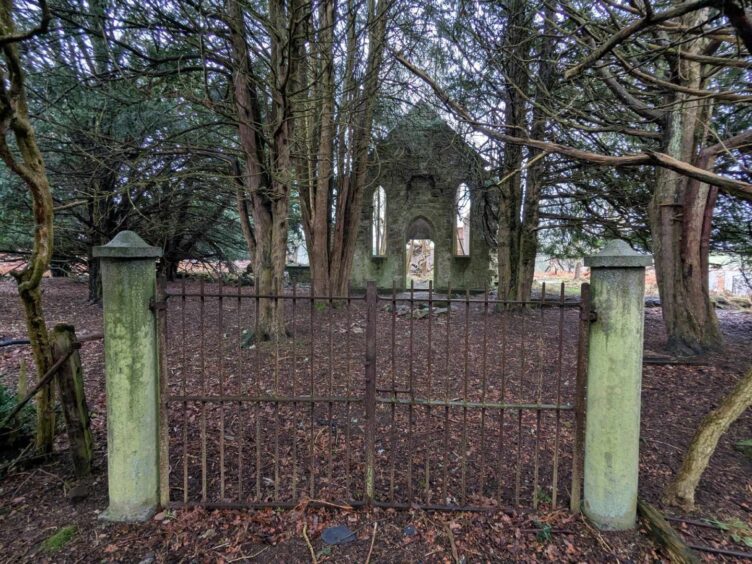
point(19, 430)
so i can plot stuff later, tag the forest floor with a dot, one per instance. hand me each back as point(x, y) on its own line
point(36, 504)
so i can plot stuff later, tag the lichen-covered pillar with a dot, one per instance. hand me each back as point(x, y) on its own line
point(131, 370)
point(612, 435)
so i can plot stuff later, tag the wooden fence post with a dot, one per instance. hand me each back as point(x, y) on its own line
point(71, 387)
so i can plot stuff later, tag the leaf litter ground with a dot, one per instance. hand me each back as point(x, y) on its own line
point(35, 505)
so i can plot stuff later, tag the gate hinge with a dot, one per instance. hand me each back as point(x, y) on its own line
point(592, 316)
point(155, 306)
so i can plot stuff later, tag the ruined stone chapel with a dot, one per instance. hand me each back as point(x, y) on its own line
point(423, 211)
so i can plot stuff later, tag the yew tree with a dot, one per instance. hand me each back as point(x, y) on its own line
point(238, 61)
point(645, 85)
point(122, 149)
point(514, 45)
point(676, 66)
point(340, 76)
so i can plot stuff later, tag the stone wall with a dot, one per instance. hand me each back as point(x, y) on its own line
point(298, 273)
point(420, 165)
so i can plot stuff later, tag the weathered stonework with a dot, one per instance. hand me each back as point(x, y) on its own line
point(420, 165)
point(612, 436)
point(132, 377)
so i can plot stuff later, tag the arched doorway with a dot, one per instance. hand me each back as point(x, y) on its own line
point(420, 266)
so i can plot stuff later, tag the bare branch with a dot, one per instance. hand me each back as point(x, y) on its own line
point(650, 19)
point(730, 186)
point(42, 28)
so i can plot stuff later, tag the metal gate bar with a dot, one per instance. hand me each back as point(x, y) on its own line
point(281, 417)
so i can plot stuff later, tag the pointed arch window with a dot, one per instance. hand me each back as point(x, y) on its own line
point(378, 243)
point(462, 221)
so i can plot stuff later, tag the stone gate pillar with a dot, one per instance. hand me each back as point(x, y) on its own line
point(612, 435)
point(131, 370)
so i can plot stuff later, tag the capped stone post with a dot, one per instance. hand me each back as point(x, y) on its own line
point(132, 376)
point(617, 285)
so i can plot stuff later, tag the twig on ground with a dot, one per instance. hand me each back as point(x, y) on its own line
point(598, 537)
point(318, 435)
point(455, 555)
point(723, 551)
point(6, 468)
point(24, 482)
point(657, 442)
point(345, 506)
point(244, 557)
point(373, 540)
point(51, 475)
point(308, 542)
point(694, 522)
point(306, 501)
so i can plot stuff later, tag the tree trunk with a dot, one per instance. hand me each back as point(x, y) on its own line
point(680, 215)
point(167, 268)
point(515, 116)
point(269, 269)
point(14, 116)
point(688, 314)
point(507, 233)
point(267, 179)
point(264, 285)
point(242, 207)
point(330, 233)
point(682, 491)
point(528, 236)
point(526, 256)
point(519, 214)
point(319, 209)
point(31, 296)
point(528, 243)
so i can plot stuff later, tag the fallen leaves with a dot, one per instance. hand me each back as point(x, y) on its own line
point(33, 504)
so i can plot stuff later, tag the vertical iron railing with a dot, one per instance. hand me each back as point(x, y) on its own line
point(160, 311)
point(587, 316)
point(370, 391)
point(274, 422)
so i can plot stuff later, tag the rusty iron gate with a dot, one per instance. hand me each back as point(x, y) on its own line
point(413, 399)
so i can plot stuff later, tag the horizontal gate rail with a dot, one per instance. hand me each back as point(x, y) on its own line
point(477, 405)
point(263, 399)
point(250, 295)
point(529, 303)
point(381, 298)
point(354, 504)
